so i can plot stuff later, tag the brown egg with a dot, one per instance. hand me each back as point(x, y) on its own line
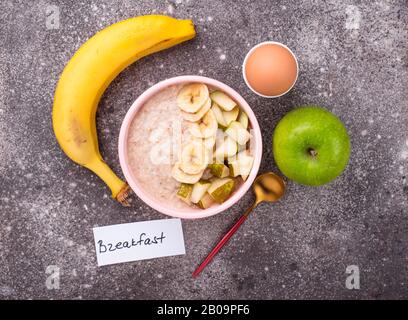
point(271, 69)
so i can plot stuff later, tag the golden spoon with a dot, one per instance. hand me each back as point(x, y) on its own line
point(268, 187)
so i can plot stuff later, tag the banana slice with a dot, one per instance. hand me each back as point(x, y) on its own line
point(192, 97)
point(193, 117)
point(209, 143)
point(183, 177)
point(206, 127)
point(194, 158)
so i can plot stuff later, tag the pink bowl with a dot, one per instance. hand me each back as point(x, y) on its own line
point(190, 213)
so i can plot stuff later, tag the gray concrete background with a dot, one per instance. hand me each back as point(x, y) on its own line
point(353, 60)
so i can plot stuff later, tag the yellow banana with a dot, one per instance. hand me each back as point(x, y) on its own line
point(90, 71)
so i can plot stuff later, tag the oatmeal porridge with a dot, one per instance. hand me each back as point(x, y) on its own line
point(150, 146)
point(188, 145)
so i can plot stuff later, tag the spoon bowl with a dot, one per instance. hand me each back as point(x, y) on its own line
point(269, 187)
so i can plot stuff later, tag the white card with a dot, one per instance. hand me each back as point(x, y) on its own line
point(138, 241)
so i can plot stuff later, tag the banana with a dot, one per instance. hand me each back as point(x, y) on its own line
point(194, 158)
point(90, 71)
point(193, 117)
point(183, 177)
point(206, 127)
point(192, 97)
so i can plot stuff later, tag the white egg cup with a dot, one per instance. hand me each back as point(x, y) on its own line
point(249, 54)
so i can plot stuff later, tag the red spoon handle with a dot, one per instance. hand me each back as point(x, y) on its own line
point(220, 244)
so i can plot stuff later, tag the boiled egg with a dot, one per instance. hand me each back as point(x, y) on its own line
point(270, 69)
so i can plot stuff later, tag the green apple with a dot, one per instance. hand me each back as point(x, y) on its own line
point(311, 146)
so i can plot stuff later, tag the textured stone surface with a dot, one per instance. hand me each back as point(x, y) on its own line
point(353, 59)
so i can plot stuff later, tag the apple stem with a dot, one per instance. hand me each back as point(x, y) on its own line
point(312, 152)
